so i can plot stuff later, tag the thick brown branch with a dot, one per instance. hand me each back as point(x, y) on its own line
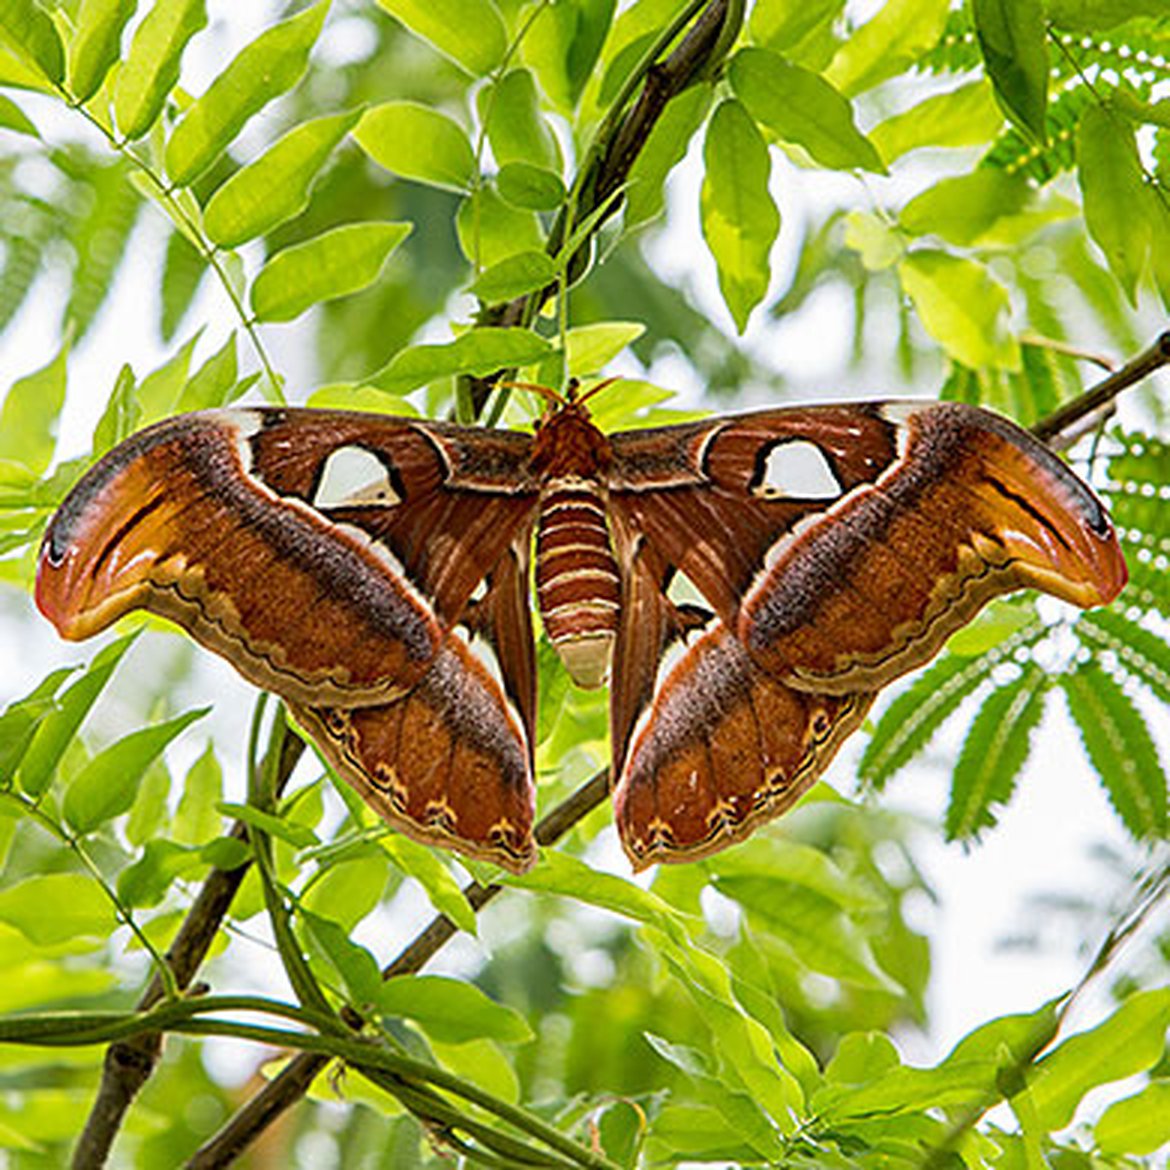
point(128, 1064)
point(291, 1084)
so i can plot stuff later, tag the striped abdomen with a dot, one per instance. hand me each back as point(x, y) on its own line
point(577, 578)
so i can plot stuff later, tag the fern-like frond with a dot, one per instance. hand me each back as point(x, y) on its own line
point(99, 234)
point(1045, 379)
point(909, 722)
point(27, 226)
point(1042, 162)
point(183, 272)
point(957, 50)
point(995, 749)
point(1143, 655)
point(1120, 748)
point(1149, 575)
point(1138, 488)
point(1138, 51)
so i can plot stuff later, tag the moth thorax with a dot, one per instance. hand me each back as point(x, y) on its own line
point(577, 578)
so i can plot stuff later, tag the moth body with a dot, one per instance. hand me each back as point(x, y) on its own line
point(577, 582)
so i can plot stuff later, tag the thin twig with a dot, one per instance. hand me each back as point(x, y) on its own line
point(1061, 426)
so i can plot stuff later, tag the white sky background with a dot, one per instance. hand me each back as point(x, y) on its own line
point(1045, 837)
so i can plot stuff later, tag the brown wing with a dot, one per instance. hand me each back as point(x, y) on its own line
point(824, 581)
point(320, 581)
point(332, 558)
point(921, 514)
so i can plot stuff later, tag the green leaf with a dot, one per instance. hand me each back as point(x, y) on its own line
point(32, 35)
point(96, 44)
point(356, 966)
point(491, 230)
point(1145, 655)
point(419, 143)
point(529, 187)
point(107, 785)
point(121, 415)
point(591, 347)
point(522, 273)
point(151, 67)
point(782, 25)
point(478, 352)
point(451, 1011)
point(879, 244)
point(145, 881)
point(425, 866)
point(57, 908)
point(333, 264)
point(746, 1050)
point(812, 924)
point(470, 32)
point(24, 716)
point(790, 861)
point(275, 187)
point(1120, 748)
point(900, 33)
point(1136, 1125)
point(962, 307)
point(150, 813)
point(57, 730)
point(993, 752)
point(967, 116)
point(961, 208)
point(1129, 1041)
point(264, 69)
point(801, 107)
point(197, 816)
point(1013, 41)
point(740, 220)
point(183, 271)
point(13, 118)
point(516, 128)
point(298, 836)
point(562, 44)
point(29, 415)
point(1115, 196)
point(215, 383)
point(863, 1057)
point(160, 390)
point(561, 874)
point(663, 150)
point(742, 1116)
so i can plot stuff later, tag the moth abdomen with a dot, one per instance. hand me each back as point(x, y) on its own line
point(577, 578)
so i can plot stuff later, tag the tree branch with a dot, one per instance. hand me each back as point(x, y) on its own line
point(128, 1064)
point(608, 164)
point(293, 1081)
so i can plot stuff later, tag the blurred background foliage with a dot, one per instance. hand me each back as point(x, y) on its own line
point(969, 198)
